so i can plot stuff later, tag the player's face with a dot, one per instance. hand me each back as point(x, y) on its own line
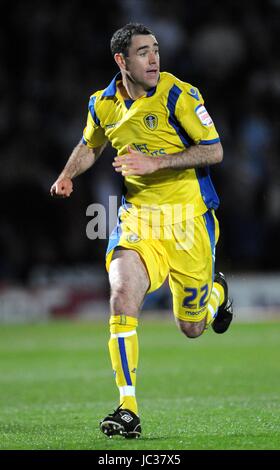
point(142, 63)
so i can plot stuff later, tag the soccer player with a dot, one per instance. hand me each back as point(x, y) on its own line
point(165, 142)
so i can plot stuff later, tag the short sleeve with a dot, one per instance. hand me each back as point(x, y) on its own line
point(93, 135)
point(194, 117)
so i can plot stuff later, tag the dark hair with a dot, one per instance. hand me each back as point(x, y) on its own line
point(121, 39)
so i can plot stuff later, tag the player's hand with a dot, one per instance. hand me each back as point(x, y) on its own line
point(62, 187)
point(135, 163)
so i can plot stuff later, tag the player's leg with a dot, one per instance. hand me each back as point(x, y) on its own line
point(197, 300)
point(189, 303)
point(219, 307)
point(129, 282)
point(136, 266)
point(218, 313)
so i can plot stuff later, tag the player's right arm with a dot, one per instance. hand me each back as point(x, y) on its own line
point(80, 160)
point(84, 154)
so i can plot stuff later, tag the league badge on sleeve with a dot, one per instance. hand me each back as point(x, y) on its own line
point(203, 115)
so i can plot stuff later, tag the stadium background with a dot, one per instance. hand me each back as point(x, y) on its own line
point(54, 55)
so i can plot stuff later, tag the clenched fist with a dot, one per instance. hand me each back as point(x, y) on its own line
point(62, 187)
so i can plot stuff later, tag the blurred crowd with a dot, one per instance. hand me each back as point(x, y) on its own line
point(55, 54)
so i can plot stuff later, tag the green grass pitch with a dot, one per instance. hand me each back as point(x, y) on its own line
point(214, 392)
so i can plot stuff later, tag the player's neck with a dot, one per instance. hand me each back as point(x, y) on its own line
point(130, 90)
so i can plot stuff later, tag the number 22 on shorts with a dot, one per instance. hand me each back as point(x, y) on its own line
point(190, 301)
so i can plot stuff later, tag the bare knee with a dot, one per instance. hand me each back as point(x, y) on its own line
point(119, 300)
point(192, 329)
point(128, 281)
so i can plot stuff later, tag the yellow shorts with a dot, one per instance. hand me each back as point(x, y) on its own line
point(184, 252)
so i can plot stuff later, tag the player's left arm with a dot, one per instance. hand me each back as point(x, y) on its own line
point(197, 156)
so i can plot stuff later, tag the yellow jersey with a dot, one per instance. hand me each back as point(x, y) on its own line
point(167, 120)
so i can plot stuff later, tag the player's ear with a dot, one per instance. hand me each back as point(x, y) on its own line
point(120, 60)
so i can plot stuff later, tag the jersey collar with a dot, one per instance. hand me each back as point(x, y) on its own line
point(112, 87)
